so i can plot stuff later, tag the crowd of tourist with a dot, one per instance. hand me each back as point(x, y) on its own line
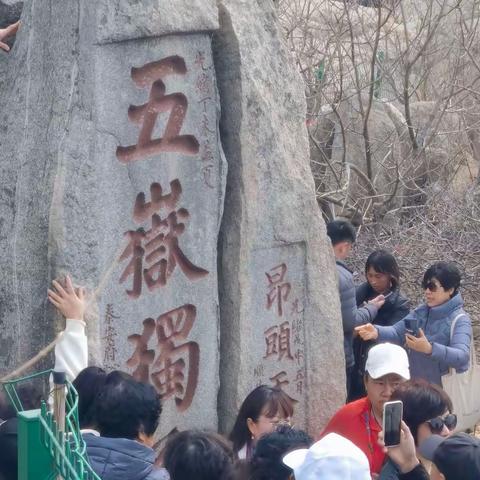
point(392, 353)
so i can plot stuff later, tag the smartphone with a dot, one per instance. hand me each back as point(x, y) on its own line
point(392, 421)
point(411, 326)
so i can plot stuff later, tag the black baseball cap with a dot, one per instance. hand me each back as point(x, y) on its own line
point(451, 455)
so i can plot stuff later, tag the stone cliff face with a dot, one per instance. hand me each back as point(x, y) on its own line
point(118, 125)
point(279, 300)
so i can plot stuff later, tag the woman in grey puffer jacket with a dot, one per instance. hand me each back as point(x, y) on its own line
point(432, 345)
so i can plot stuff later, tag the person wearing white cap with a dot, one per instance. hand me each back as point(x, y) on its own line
point(331, 458)
point(361, 421)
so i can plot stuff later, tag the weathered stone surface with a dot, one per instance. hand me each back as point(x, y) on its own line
point(277, 271)
point(10, 11)
point(88, 180)
point(119, 20)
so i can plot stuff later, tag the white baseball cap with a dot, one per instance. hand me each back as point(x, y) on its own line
point(331, 458)
point(387, 358)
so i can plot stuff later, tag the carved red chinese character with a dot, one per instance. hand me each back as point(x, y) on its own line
point(142, 357)
point(168, 371)
point(277, 339)
point(280, 381)
point(151, 76)
point(278, 288)
point(173, 368)
point(154, 254)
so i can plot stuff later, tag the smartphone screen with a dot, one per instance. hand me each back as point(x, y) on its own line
point(411, 326)
point(392, 419)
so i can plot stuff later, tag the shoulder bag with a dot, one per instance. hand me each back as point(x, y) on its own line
point(464, 388)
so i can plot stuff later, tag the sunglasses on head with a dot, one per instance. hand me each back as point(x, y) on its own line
point(436, 424)
point(430, 286)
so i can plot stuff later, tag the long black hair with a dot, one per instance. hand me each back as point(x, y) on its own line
point(384, 262)
point(263, 400)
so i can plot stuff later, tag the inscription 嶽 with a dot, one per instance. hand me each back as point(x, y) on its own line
point(158, 248)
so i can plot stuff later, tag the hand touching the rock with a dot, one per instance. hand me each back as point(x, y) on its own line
point(8, 32)
point(367, 332)
point(69, 302)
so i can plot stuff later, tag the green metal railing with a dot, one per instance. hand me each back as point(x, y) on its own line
point(45, 452)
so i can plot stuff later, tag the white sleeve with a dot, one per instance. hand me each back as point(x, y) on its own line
point(71, 352)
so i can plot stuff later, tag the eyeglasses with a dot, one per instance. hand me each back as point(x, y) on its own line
point(436, 424)
point(282, 422)
point(430, 286)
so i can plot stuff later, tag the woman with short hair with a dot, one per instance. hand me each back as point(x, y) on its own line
point(427, 411)
point(199, 455)
point(266, 463)
point(437, 334)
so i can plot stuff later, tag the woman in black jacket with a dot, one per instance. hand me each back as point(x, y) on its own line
point(383, 278)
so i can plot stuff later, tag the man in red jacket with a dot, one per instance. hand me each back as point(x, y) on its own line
point(361, 421)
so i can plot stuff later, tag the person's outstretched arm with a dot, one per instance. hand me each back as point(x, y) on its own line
point(394, 334)
point(71, 352)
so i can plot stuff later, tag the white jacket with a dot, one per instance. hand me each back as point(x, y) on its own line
point(71, 352)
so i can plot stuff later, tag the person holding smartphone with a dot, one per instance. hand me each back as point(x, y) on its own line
point(383, 278)
point(361, 421)
point(433, 346)
point(427, 411)
point(404, 455)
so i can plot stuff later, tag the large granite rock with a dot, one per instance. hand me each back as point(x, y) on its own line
point(279, 302)
point(119, 20)
point(112, 170)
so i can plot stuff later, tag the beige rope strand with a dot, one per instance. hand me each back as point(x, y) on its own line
point(39, 356)
point(44, 352)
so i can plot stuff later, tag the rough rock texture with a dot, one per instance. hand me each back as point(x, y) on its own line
point(448, 154)
point(10, 11)
point(127, 19)
point(279, 302)
point(86, 180)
